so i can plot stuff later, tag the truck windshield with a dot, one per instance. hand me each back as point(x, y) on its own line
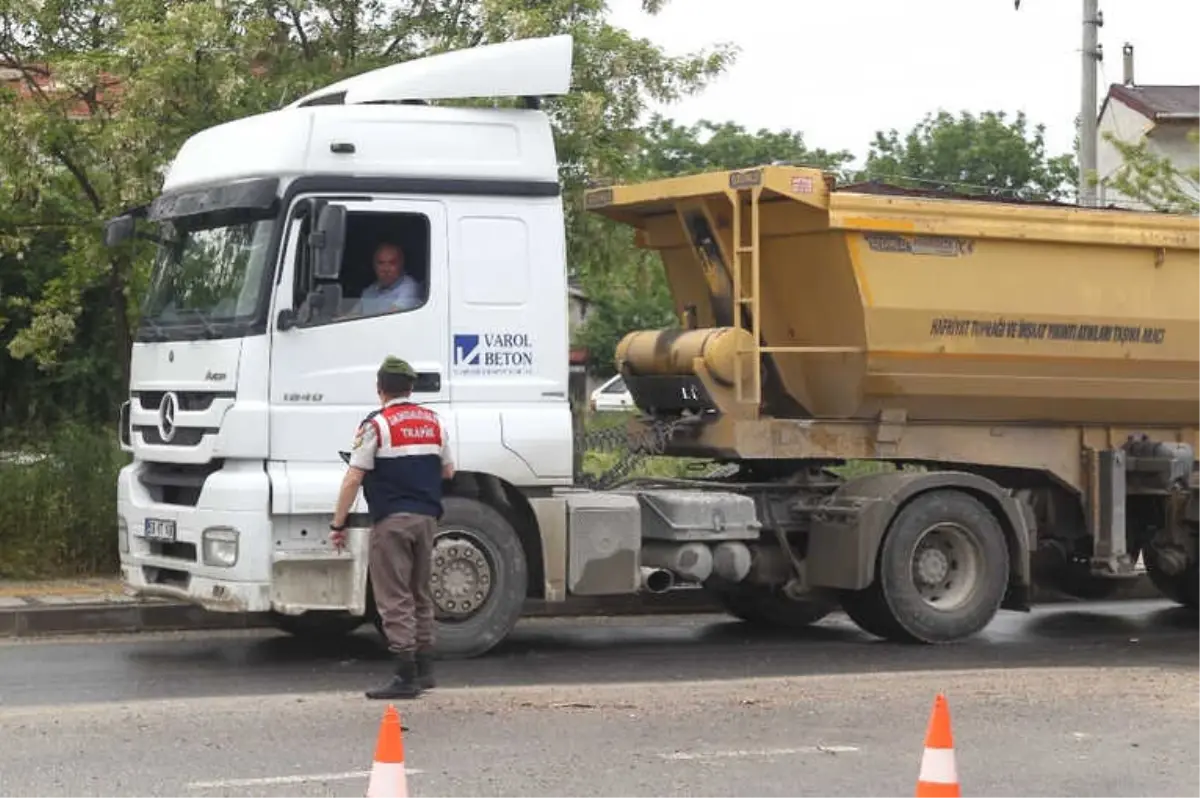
point(207, 281)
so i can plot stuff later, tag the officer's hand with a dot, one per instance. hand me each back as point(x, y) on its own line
point(338, 538)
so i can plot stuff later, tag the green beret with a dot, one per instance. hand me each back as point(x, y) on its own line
point(394, 365)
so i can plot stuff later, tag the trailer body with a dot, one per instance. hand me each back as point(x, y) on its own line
point(1034, 365)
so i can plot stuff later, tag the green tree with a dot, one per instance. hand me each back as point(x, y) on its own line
point(104, 92)
point(1154, 180)
point(985, 154)
point(672, 149)
point(107, 90)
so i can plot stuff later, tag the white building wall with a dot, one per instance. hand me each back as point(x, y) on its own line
point(1169, 140)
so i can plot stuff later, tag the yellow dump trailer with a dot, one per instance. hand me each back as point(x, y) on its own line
point(1029, 373)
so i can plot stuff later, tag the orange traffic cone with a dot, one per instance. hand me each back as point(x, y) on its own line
point(388, 779)
point(939, 772)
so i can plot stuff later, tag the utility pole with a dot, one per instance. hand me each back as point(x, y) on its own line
point(1092, 55)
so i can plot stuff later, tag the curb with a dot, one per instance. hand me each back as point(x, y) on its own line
point(50, 620)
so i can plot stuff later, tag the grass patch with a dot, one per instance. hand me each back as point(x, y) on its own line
point(58, 503)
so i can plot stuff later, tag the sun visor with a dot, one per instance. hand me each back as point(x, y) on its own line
point(258, 195)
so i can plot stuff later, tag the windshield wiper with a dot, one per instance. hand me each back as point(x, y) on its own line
point(155, 333)
point(209, 329)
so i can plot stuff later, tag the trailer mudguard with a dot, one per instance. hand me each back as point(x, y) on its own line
point(847, 529)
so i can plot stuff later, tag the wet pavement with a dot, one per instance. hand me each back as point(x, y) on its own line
point(578, 650)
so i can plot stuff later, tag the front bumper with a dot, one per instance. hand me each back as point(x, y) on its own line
point(217, 595)
point(177, 569)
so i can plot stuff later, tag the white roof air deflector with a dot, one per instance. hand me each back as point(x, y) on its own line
point(522, 68)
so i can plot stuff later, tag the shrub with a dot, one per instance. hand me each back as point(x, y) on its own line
point(58, 503)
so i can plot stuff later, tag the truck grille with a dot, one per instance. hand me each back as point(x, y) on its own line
point(189, 401)
point(184, 436)
point(177, 483)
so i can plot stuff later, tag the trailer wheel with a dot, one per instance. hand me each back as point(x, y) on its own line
point(764, 609)
point(479, 576)
point(941, 572)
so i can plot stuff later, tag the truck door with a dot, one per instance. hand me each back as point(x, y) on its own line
point(326, 351)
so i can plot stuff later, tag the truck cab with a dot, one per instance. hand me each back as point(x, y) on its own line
point(255, 358)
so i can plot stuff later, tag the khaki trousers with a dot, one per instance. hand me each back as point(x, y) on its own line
point(400, 560)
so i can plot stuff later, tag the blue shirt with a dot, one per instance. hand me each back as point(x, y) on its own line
point(404, 294)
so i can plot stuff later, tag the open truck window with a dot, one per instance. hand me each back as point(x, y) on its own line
point(385, 265)
point(398, 283)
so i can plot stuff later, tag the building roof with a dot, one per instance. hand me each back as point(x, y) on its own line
point(1158, 103)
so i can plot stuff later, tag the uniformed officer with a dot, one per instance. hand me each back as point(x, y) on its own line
point(400, 456)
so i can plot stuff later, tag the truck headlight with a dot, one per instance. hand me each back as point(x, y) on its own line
point(122, 535)
point(219, 546)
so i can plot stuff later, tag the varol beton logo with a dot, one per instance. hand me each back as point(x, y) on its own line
point(489, 354)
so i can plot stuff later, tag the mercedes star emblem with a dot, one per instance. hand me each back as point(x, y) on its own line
point(166, 416)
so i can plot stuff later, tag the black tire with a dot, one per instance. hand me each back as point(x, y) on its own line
point(893, 607)
point(491, 622)
point(870, 612)
point(764, 609)
point(1182, 588)
point(317, 624)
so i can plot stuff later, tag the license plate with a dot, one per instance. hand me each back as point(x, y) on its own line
point(160, 529)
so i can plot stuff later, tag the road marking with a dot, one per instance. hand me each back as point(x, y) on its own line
point(299, 779)
point(746, 753)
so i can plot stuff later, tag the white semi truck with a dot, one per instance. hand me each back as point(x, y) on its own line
point(252, 369)
point(254, 364)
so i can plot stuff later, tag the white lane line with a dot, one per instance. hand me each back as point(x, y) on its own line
point(298, 779)
point(758, 752)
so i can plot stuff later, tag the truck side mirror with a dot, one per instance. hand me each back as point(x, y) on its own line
point(117, 230)
point(327, 242)
point(286, 319)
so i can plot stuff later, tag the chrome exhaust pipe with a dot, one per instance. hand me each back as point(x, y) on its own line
point(690, 562)
point(657, 580)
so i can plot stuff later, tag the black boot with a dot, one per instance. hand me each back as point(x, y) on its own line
point(403, 683)
point(425, 670)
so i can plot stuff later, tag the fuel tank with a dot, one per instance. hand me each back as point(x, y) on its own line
point(948, 309)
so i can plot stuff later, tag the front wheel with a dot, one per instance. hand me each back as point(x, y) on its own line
point(941, 572)
point(479, 579)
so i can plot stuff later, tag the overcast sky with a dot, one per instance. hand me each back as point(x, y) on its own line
point(850, 67)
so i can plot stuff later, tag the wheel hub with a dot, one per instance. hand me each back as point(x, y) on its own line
point(946, 566)
point(461, 577)
point(933, 566)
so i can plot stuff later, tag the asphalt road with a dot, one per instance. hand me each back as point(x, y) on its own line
point(1069, 700)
